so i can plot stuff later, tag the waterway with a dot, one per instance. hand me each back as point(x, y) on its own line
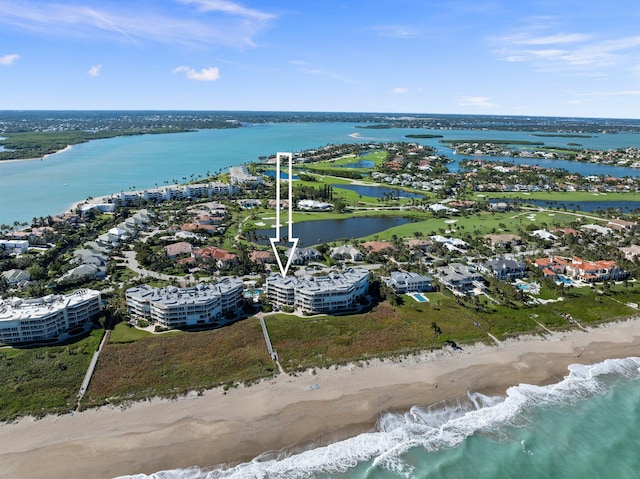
point(588, 206)
point(42, 187)
point(326, 231)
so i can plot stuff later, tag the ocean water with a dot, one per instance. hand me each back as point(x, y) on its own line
point(586, 426)
point(42, 187)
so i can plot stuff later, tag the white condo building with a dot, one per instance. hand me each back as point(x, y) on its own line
point(40, 319)
point(171, 307)
point(319, 294)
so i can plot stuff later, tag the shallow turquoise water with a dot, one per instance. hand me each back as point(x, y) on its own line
point(38, 188)
point(586, 426)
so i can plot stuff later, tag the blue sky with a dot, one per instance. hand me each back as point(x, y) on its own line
point(516, 57)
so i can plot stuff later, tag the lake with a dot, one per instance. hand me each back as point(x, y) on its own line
point(327, 231)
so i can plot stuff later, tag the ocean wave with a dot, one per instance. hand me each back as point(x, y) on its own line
point(442, 425)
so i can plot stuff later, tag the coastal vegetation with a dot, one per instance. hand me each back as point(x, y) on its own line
point(44, 380)
point(137, 364)
point(493, 142)
point(30, 144)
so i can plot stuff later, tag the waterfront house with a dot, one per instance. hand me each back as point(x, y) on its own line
point(592, 271)
point(460, 279)
point(580, 269)
point(409, 282)
point(504, 269)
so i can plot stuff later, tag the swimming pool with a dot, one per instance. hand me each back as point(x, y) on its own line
point(420, 298)
point(564, 279)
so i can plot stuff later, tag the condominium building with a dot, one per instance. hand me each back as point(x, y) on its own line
point(40, 319)
point(171, 307)
point(319, 294)
point(240, 176)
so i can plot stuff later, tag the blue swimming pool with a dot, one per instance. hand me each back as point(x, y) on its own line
point(564, 279)
point(421, 298)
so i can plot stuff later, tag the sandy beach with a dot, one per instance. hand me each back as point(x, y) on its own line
point(290, 411)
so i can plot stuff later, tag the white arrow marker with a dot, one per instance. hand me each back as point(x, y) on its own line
point(278, 239)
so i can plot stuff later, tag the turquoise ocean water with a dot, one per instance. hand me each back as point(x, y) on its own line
point(42, 187)
point(586, 427)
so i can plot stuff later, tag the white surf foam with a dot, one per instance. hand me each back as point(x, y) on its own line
point(442, 425)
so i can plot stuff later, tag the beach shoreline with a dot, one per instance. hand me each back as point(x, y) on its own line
point(294, 412)
point(43, 157)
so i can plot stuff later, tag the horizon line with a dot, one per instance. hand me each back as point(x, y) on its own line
point(320, 112)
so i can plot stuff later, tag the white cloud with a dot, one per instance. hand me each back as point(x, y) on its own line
point(230, 8)
point(566, 52)
point(206, 74)
point(396, 31)
point(227, 24)
point(309, 69)
point(94, 71)
point(551, 39)
point(477, 101)
point(613, 93)
point(8, 60)
point(400, 90)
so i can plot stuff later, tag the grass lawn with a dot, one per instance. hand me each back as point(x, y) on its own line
point(123, 333)
point(377, 157)
point(482, 223)
point(42, 380)
point(566, 196)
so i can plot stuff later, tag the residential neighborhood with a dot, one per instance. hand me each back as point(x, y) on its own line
point(200, 242)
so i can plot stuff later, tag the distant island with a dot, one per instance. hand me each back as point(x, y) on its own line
point(554, 135)
point(424, 135)
point(375, 127)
